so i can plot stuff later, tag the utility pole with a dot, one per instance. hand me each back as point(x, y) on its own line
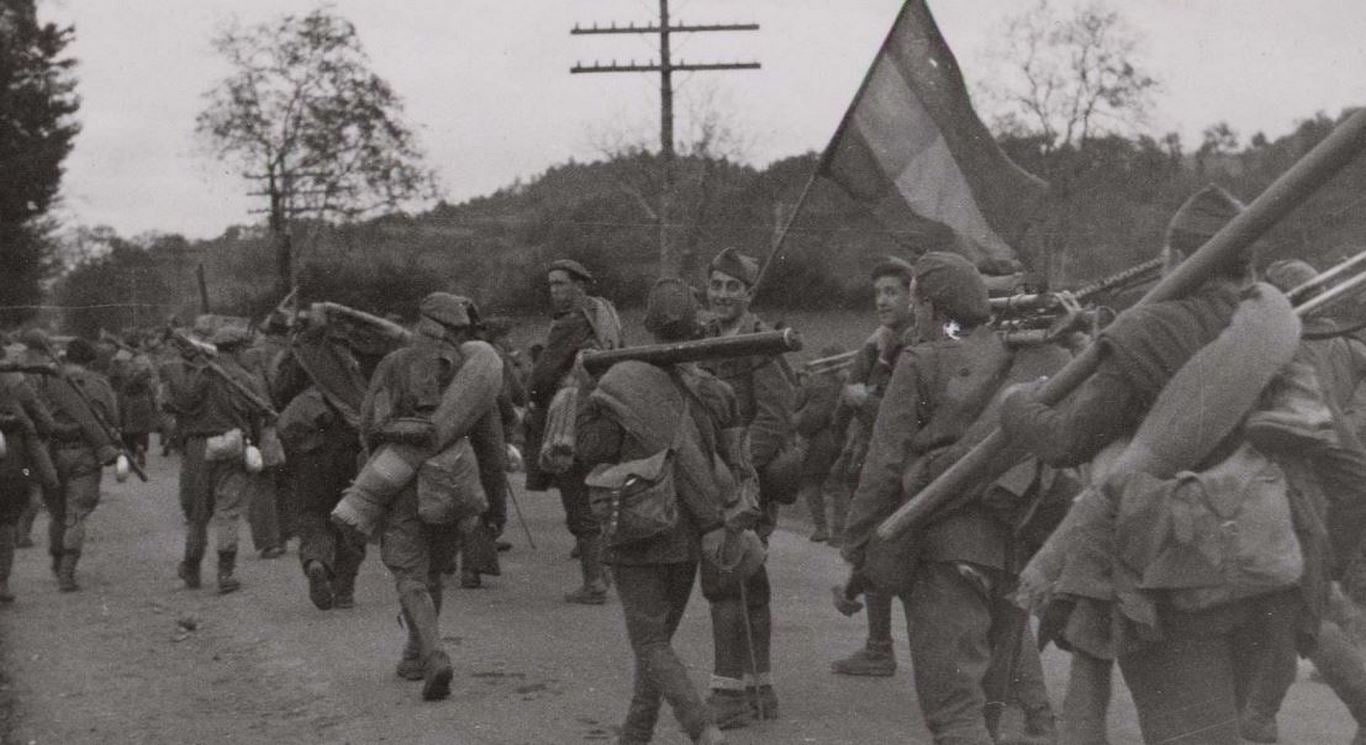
point(280, 192)
point(670, 264)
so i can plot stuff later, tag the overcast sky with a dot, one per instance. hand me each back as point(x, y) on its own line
point(486, 82)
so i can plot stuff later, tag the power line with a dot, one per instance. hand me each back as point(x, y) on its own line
point(666, 66)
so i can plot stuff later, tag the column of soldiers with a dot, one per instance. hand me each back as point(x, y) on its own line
point(1208, 665)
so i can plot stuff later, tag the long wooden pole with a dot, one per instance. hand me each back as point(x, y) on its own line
point(992, 456)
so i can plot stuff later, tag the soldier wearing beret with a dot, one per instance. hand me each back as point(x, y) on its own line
point(765, 394)
point(578, 321)
point(399, 407)
point(80, 448)
point(954, 588)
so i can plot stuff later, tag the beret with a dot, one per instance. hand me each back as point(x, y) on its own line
point(570, 267)
point(953, 285)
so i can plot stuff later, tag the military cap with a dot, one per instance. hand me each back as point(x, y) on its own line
point(1287, 274)
point(34, 338)
point(81, 352)
point(732, 263)
point(1200, 217)
point(671, 310)
point(953, 285)
point(572, 268)
point(447, 309)
point(893, 267)
point(230, 336)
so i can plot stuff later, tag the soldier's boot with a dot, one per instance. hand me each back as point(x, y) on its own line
point(66, 571)
point(320, 585)
point(876, 659)
point(345, 586)
point(189, 568)
point(730, 709)
point(1086, 702)
point(594, 589)
point(227, 564)
point(421, 613)
point(1340, 662)
point(7, 542)
point(712, 735)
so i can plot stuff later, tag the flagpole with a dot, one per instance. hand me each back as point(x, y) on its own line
point(776, 251)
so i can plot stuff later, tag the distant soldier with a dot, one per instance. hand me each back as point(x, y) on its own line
point(859, 404)
point(81, 446)
point(319, 385)
point(214, 422)
point(579, 322)
point(764, 392)
point(137, 402)
point(25, 424)
point(407, 388)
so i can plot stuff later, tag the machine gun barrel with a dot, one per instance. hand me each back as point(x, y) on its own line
point(1047, 301)
point(832, 363)
point(28, 368)
point(744, 345)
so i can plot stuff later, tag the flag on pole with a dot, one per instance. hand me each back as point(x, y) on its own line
point(912, 150)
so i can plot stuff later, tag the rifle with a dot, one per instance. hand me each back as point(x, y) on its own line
point(28, 369)
point(197, 351)
point(994, 454)
point(110, 432)
point(1053, 302)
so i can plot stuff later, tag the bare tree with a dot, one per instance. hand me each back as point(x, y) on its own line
point(306, 119)
point(1068, 79)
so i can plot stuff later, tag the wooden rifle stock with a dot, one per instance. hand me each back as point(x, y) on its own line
point(995, 454)
point(744, 345)
point(199, 351)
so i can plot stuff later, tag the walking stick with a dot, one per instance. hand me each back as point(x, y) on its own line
point(512, 497)
point(749, 646)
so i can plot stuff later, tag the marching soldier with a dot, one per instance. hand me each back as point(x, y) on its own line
point(215, 424)
point(25, 424)
point(404, 394)
point(740, 611)
point(579, 322)
point(81, 446)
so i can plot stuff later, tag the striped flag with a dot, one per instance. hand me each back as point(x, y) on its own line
point(912, 150)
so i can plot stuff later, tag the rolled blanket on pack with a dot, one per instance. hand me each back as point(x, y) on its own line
point(557, 447)
point(471, 394)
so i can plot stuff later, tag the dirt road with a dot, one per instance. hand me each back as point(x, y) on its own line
point(111, 663)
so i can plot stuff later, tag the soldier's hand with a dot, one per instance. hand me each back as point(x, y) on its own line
point(714, 545)
point(855, 395)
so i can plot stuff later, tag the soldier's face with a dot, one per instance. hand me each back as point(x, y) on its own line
point(893, 301)
point(564, 290)
point(727, 296)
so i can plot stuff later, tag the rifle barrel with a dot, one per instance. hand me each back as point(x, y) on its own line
point(994, 454)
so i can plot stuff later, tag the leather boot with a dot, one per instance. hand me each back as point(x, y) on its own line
point(189, 568)
point(594, 589)
point(421, 612)
point(66, 571)
point(345, 586)
point(227, 562)
point(7, 542)
point(320, 585)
